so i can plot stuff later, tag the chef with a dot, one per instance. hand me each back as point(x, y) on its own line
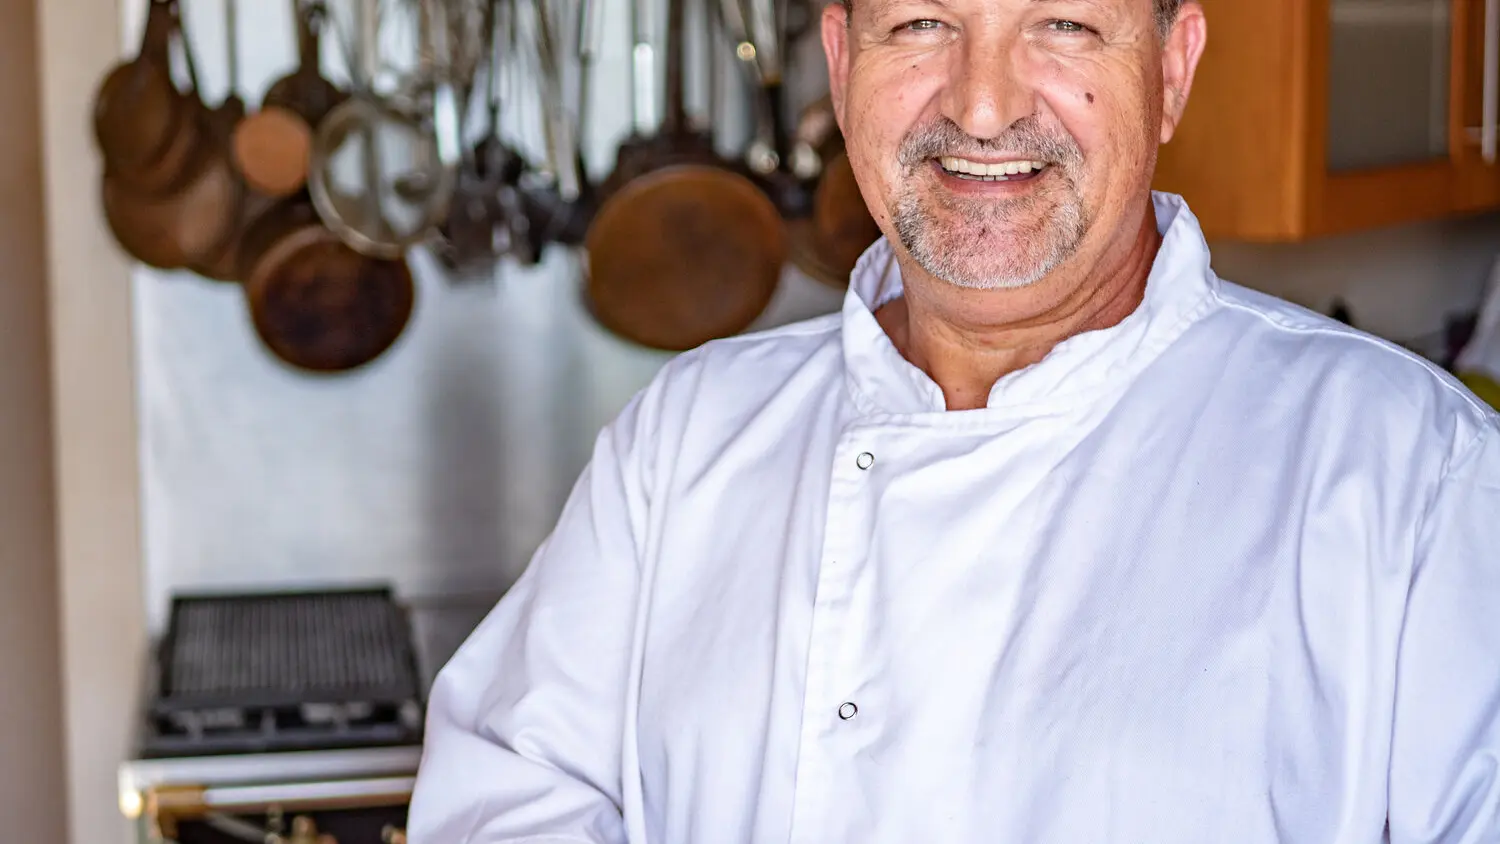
point(1050, 535)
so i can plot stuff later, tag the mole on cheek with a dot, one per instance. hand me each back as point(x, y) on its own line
point(1089, 97)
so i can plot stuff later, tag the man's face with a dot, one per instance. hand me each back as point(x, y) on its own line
point(997, 139)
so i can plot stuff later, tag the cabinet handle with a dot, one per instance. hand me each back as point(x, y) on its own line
point(1490, 131)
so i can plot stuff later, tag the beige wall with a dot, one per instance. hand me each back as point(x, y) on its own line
point(97, 481)
point(31, 765)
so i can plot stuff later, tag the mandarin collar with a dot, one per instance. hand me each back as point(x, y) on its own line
point(1179, 290)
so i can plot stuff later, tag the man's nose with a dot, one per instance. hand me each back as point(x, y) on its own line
point(987, 91)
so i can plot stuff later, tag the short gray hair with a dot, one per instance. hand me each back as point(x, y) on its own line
point(1166, 13)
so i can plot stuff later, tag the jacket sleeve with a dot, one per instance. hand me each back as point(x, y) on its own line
point(1445, 752)
point(525, 723)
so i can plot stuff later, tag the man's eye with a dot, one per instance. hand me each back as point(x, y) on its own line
point(1071, 27)
point(924, 25)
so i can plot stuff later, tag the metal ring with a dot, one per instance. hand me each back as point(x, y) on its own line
point(330, 135)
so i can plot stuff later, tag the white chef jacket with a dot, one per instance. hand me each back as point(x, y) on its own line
point(1224, 572)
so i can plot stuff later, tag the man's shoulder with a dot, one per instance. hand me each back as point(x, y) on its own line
point(746, 369)
point(1303, 347)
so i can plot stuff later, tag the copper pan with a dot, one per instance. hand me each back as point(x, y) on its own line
point(315, 303)
point(123, 121)
point(194, 217)
point(138, 110)
point(686, 248)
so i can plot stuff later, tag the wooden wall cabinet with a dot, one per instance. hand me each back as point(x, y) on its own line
point(1317, 117)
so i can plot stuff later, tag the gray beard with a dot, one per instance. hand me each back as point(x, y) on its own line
point(960, 257)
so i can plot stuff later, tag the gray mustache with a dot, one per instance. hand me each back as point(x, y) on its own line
point(1025, 137)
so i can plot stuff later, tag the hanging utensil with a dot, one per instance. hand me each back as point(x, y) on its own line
point(588, 43)
point(827, 244)
point(273, 146)
point(556, 201)
point(470, 240)
point(689, 249)
point(567, 224)
point(316, 303)
point(222, 263)
point(397, 175)
point(815, 127)
point(755, 28)
point(635, 148)
point(119, 127)
point(194, 217)
point(138, 109)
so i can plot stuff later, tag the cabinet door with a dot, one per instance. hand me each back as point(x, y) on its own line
point(1404, 80)
point(1475, 123)
point(1389, 74)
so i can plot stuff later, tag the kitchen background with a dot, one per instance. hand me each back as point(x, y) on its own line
point(153, 445)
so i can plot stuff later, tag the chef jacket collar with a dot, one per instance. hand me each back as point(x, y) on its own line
point(1179, 291)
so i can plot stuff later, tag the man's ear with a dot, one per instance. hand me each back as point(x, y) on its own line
point(836, 50)
point(1179, 63)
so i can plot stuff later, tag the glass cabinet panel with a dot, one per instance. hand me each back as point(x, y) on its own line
point(1388, 93)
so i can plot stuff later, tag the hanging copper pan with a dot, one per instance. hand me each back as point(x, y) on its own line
point(139, 101)
point(191, 218)
point(315, 303)
point(687, 248)
point(138, 110)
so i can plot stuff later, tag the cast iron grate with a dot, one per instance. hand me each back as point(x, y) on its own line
point(300, 647)
point(293, 670)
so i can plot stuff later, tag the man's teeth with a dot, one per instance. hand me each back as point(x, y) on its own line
point(998, 170)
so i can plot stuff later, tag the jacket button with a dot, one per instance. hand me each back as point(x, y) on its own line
point(865, 460)
point(847, 711)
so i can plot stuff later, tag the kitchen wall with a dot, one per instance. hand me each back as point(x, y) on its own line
point(31, 760)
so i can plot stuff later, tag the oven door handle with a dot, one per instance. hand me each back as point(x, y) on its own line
point(196, 802)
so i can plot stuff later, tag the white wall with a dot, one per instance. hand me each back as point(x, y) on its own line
point(31, 765)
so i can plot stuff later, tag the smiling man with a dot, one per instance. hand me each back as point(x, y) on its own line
point(1051, 535)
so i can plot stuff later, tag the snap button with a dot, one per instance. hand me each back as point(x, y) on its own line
point(847, 711)
point(865, 460)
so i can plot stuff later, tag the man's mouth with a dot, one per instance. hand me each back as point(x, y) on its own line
point(1014, 170)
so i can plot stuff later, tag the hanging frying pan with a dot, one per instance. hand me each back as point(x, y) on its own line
point(118, 126)
point(316, 303)
point(689, 249)
point(194, 217)
point(138, 110)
